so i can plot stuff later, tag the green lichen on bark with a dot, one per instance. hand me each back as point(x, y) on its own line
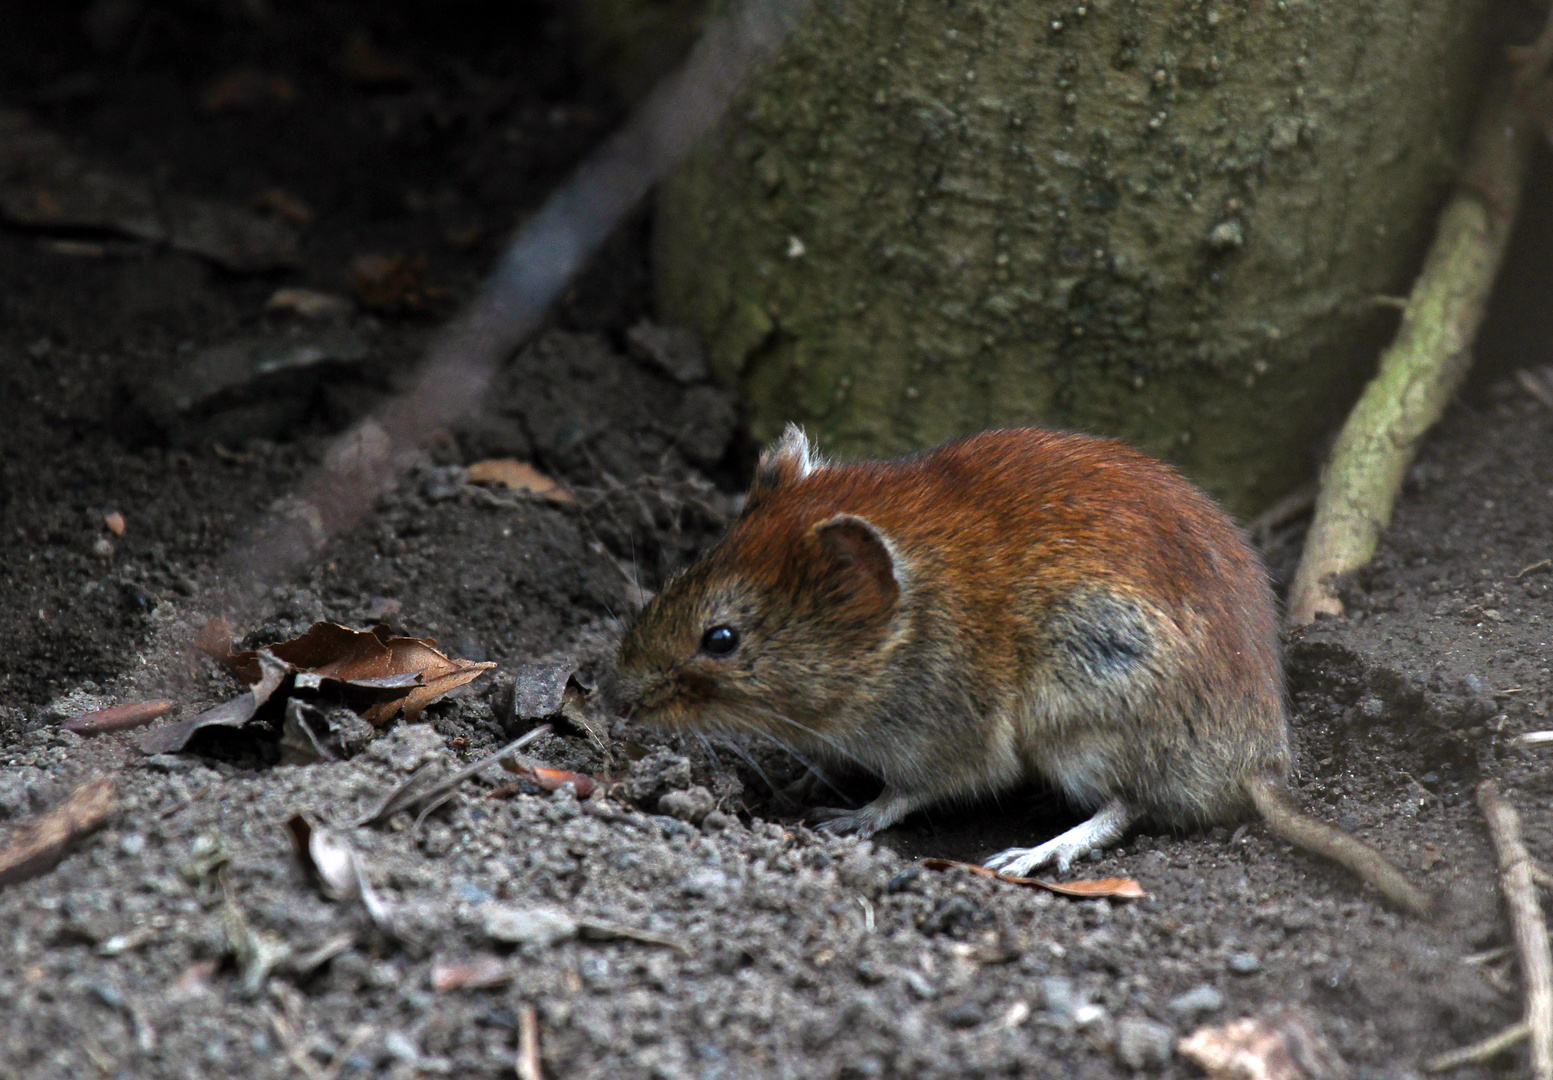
point(1162, 221)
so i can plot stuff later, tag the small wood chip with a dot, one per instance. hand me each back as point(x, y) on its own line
point(39, 844)
point(131, 714)
point(475, 973)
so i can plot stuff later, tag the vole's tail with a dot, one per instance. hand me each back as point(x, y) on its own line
point(1277, 808)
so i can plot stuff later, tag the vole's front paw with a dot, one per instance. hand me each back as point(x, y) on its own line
point(886, 810)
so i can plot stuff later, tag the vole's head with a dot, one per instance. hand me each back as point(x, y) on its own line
point(780, 626)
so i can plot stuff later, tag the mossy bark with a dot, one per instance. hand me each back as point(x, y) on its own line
point(1162, 221)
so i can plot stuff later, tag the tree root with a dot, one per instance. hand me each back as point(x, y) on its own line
point(1526, 924)
point(1424, 365)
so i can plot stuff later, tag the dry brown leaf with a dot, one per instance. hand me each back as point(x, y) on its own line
point(368, 660)
point(1281, 1046)
point(132, 714)
point(517, 476)
point(37, 845)
point(1115, 888)
point(171, 738)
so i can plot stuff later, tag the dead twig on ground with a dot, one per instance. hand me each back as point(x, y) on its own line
point(1424, 365)
point(424, 795)
point(1526, 924)
point(1478, 1052)
point(528, 1066)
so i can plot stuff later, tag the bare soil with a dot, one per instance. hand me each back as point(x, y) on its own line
point(763, 948)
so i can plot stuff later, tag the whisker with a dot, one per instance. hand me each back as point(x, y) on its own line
point(706, 744)
point(749, 760)
point(787, 747)
point(826, 739)
point(636, 578)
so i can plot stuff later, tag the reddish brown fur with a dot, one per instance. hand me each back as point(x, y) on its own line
point(1021, 602)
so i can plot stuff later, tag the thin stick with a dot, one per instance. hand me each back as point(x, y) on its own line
point(415, 792)
point(1423, 366)
point(528, 1045)
point(1495, 1044)
point(1526, 924)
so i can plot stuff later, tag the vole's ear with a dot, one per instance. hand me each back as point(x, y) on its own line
point(784, 462)
point(859, 552)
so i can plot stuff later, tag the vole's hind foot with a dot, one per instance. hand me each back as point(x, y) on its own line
point(883, 812)
point(1100, 831)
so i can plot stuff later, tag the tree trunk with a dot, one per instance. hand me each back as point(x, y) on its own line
point(1168, 222)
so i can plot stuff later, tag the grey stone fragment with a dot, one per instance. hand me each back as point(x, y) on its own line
point(1198, 1000)
point(966, 1014)
point(1142, 1043)
point(537, 926)
point(1245, 963)
point(692, 804)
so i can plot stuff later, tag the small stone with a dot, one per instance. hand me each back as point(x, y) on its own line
point(919, 985)
point(1060, 997)
point(659, 771)
point(401, 1046)
point(1143, 1043)
point(966, 1014)
point(471, 893)
point(705, 882)
point(1227, 236)
point(870, 973)
point(692, 804)
point(437, 841)
point(133, 844)
point(537, 926)
point(1244, 963)
point(1198, 1000)
point(717, 821)
point(1090, 1015)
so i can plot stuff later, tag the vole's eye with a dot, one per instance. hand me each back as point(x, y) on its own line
point(720, 641)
